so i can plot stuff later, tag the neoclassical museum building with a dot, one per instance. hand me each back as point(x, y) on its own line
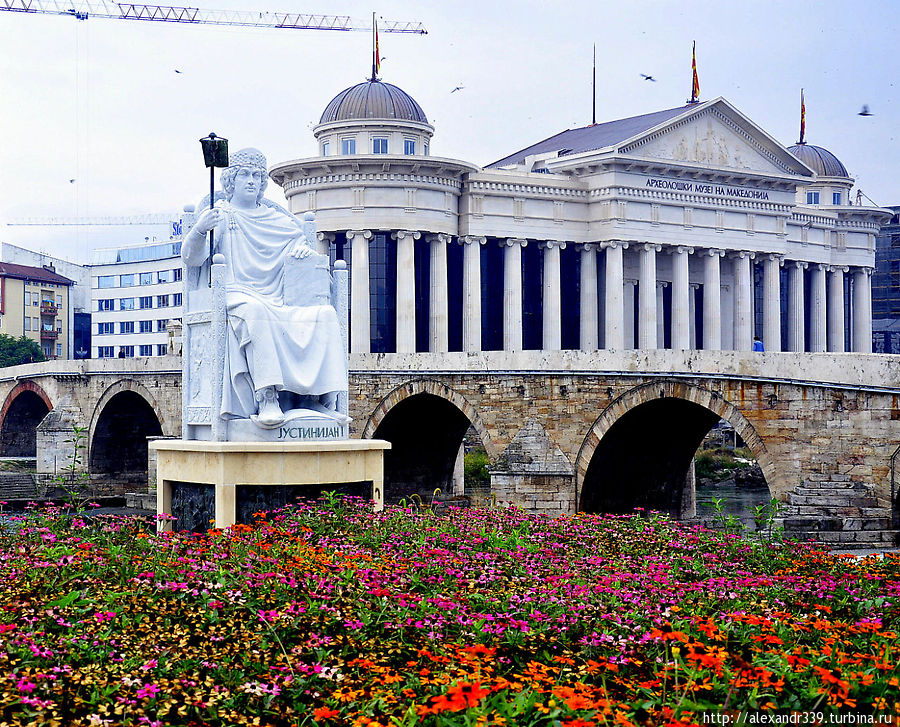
point(685, 228)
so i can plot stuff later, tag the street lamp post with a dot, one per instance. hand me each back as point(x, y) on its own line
point(215, 154)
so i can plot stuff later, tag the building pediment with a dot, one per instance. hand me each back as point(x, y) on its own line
point(715, 135)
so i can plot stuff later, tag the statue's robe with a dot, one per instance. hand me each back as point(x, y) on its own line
point(269, 343)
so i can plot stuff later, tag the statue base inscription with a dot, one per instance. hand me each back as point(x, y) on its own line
point(229, 466)
point(299, 425)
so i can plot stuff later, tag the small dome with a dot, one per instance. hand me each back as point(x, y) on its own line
point(373, 100)
point(820, 160)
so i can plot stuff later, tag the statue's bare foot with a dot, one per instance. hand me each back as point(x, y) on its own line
point(270, 414)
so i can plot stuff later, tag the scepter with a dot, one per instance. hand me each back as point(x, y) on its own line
point(215, 154)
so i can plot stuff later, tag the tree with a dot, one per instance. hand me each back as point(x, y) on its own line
point(15, 351)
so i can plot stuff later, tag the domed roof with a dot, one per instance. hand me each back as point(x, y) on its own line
point(820, 160)
point(373, 99)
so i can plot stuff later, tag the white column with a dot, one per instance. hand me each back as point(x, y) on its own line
point(796, 341)
point(647, 296)
point(550, 299)
point(660, 314)
point(323, 242)
point(743, 307)
point(712, 300)
point(589, 323)
point(818, 315)
point(406, 290)
point(771, 303)
point(681, 303)
point(359, 290)
point(692, 312)
point(512, 293)
point(630, 285)
point(615, 295)
point(438, 326)
point(836, 309)
point(862, 310)
point(471, 291)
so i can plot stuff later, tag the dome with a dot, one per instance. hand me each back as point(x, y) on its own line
point(820, 160)
point(373, 99)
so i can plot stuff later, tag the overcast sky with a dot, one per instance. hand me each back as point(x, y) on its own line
point(99, 101)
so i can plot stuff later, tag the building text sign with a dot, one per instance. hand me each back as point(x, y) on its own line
point(719, 190)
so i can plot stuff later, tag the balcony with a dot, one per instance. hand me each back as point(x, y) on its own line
point(49, 334)
point(48, 308)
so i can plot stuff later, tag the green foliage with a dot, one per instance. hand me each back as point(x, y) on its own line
point(717, 464)
point(21, 350)
point(475, 469)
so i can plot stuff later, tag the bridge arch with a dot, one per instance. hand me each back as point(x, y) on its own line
point(634, 439)
point(125, 415)
point(425, 421)
point(24, 408)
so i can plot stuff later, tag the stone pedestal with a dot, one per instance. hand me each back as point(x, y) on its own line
point(225, 467)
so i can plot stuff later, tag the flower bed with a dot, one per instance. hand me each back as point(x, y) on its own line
point(331, 614)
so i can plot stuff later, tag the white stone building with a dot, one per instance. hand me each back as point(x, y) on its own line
point(685, 228)
point(135, 291)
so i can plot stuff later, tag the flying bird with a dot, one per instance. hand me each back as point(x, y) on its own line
point(177, 71)
point(648, 78)
point(71, 181)
point(458, 88)
point(865, 111)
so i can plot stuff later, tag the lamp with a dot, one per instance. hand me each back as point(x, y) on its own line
point(215, 154)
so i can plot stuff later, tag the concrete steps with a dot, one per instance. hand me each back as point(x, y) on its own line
point(17, 486)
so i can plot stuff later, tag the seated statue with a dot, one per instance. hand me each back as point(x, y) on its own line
point(277, 356)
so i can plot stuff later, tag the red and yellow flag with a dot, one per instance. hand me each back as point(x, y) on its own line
point(377, 52)
point(695, 87)
point(802, 119)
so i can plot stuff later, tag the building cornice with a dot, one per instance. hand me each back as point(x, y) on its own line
point(366, 167)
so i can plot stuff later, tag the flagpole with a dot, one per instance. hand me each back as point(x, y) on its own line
point(594, 90)
point(373, 45)
point(802, 119)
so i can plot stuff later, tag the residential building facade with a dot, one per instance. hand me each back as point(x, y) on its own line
point(34, 302)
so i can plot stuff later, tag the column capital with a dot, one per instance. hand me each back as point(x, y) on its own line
point(630, 281)
point(867, 271)
point(614, 244)
point(818, 266)
point(439, 237)
point(649, 247)
point(351, 234)
point(662, 283)
point(774, 257)
point(471, 240)
point(694, 286)
point(713, 252)
point(725, 286)
point(325, 237)
point(681, 250)
point(550, 244)
point(837, 268)
point(741, 254)
point(588, 246)
point(510, 241)
point(402, 234)
point(799, 264)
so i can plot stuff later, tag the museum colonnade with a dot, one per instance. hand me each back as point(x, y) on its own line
point(437, 292)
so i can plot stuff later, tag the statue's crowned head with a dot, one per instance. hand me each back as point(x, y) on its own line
point(251, 158)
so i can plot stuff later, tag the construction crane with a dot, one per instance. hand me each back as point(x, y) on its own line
point(156, 218)
point(198, 16)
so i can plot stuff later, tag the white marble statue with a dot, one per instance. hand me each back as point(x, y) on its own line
point(278, 356)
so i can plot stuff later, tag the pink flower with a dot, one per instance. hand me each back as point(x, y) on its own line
point(148, 690)
point(149, 665)
point(23, 685)
point(268, 616)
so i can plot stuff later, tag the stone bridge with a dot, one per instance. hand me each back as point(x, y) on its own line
point(565, 431)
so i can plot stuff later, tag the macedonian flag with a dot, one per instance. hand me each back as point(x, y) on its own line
point(695, 87)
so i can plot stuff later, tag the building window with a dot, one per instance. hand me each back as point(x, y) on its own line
point(126, 326)
point(58, 301)
point(176, 298)
point(146, 302)
point(104, 351)
point(812, 198)
point(326, 148)
point(106, 281)
point(161, 324)
point(379, 145)
point(126, 281)
point(105, 304)
point(126, 303)
point(162, 301)
point(348, 146)
point(58, 350)
point(426, 150)
point(146, 350)
point(145, 327)
point(409, 146)
point(146, 278)
point(176, 273)
point(161, 349)
point(164, 276)
point(105, 329)
point(126, 351)
point(835, 198)
point(27, 323)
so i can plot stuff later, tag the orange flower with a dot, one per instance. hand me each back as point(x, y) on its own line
point(324, 713)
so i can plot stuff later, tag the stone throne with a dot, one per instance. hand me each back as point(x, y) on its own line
point(308, 281)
